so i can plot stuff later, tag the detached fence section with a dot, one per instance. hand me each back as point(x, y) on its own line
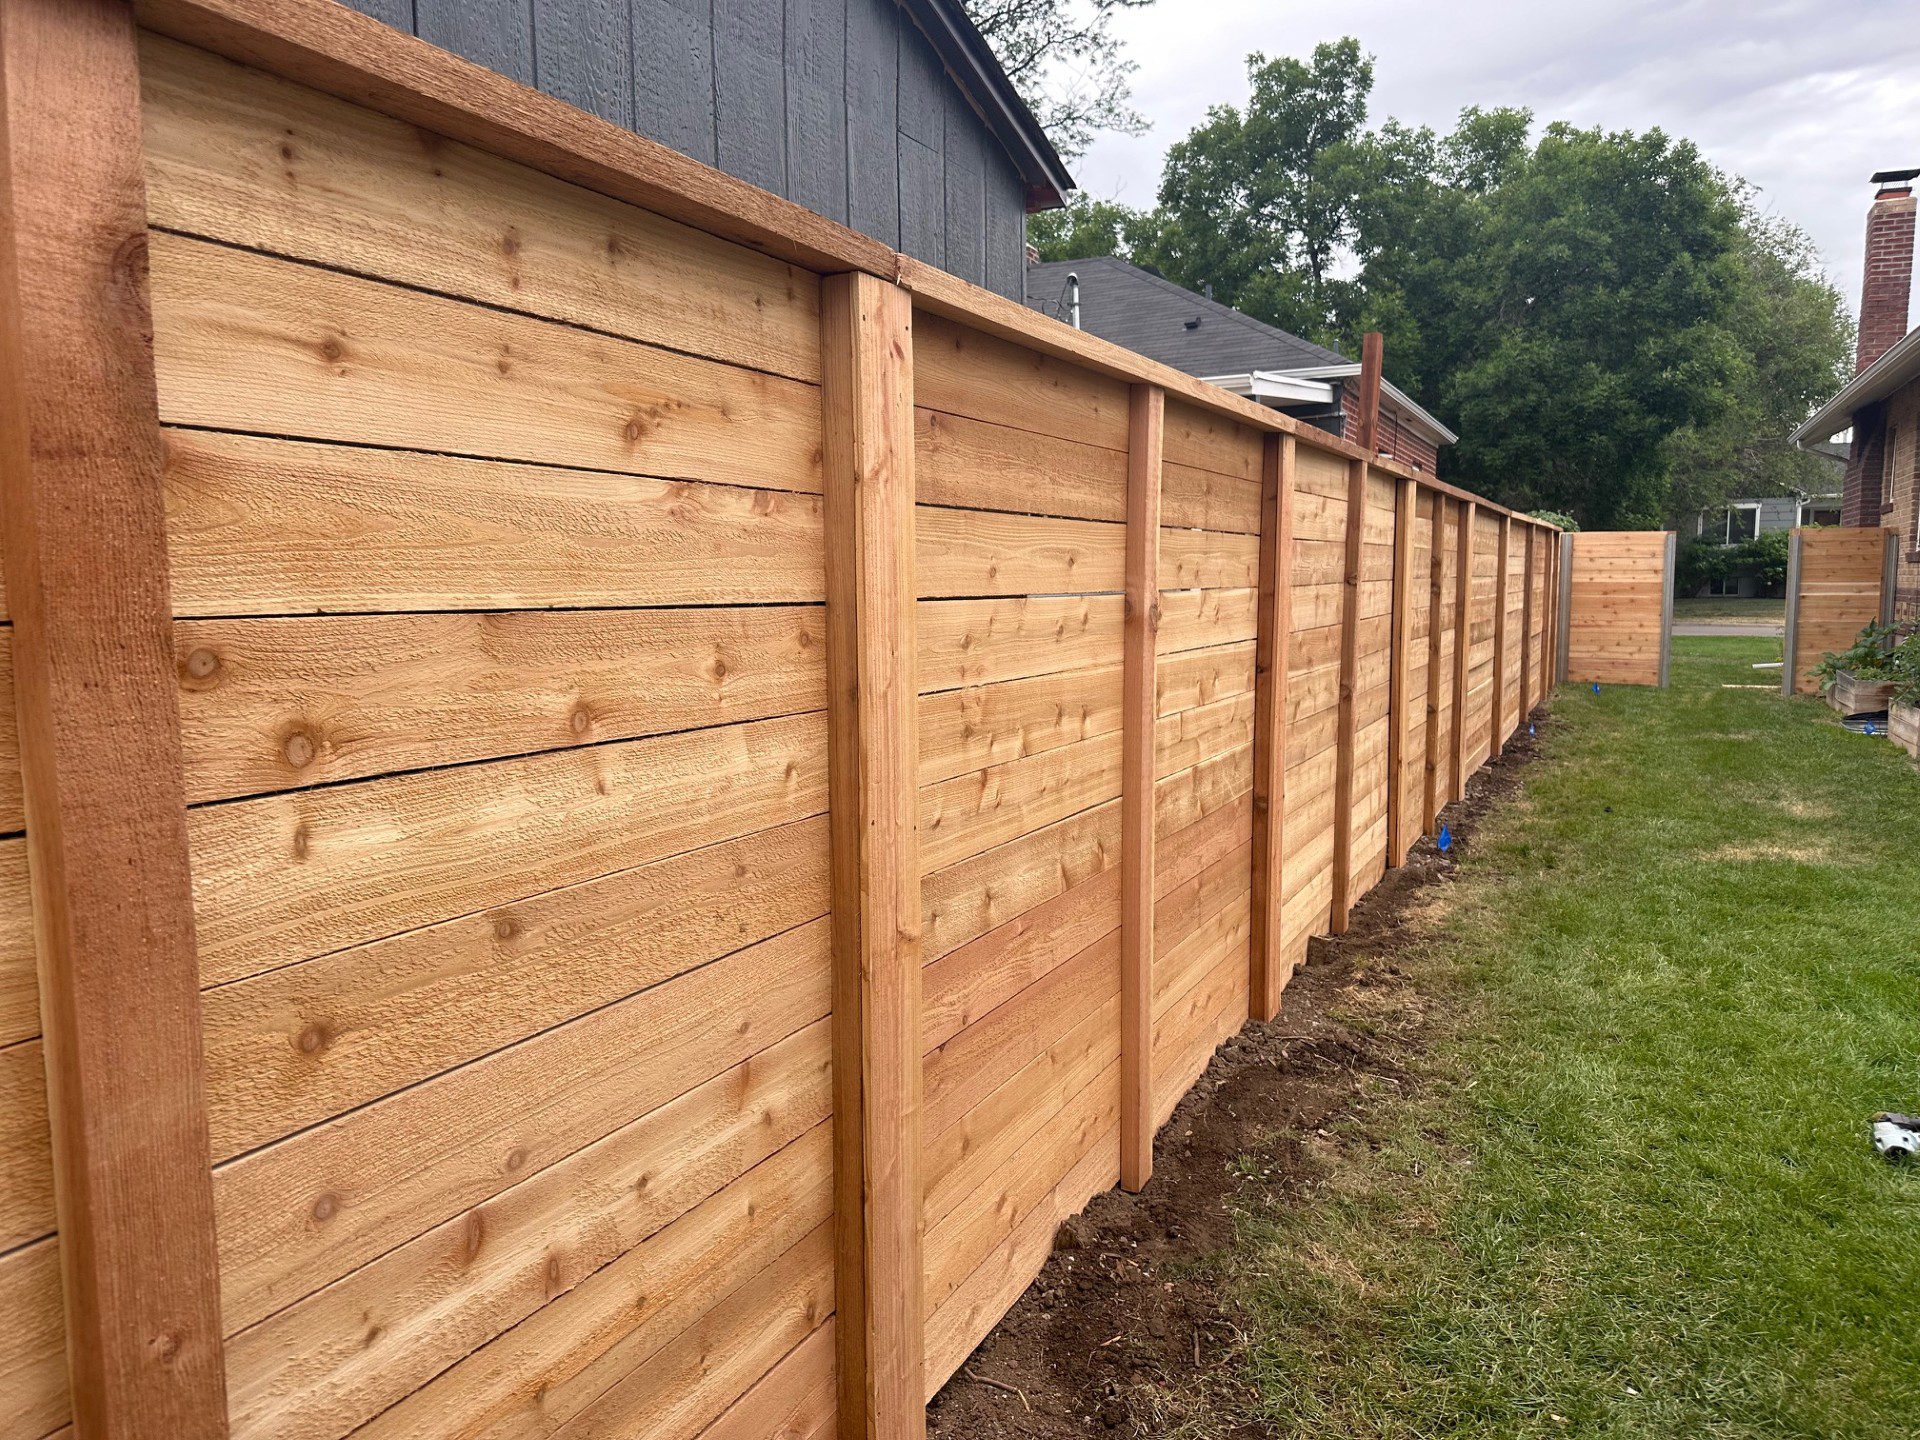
point(629, 796)
point(1616, 606)
point(1839, 581)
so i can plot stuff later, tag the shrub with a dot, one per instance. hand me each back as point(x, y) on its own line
point(1703, 561)
point(1870, 657)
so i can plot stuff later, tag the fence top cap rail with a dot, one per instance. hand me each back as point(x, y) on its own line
point(326, 46)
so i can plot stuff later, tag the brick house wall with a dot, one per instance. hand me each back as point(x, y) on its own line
point(1900, 492)
point(1397, 437)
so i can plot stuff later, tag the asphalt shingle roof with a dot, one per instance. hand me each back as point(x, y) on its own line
point(1150, 315)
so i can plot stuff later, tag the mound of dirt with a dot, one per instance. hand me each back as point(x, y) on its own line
point(1130, 1298)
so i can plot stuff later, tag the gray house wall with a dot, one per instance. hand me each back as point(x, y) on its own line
point(840, 105)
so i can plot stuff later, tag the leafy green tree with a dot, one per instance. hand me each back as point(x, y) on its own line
point(1262, 202)
point(1066, 62)
point(1087, 227)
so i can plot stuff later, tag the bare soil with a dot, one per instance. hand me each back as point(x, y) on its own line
point(1130, 1305)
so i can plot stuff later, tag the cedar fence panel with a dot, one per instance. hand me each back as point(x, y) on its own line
point(1617, 606)
point(1839, 581)
point(716, 765)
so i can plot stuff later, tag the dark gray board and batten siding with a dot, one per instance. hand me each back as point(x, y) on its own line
point(840, 105)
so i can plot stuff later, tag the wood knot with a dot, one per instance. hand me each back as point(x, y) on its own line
point(326, 1207)
point(201, 669)
point(299, 749)
point(314, 1039)
point(166, 1346)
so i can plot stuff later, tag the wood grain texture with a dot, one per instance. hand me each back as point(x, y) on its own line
point(867, 343)
point(1343, 788)
point(1146, 440)
point(1400, 827)
point(332, 49)
point(275, 704)
point(1464, 561)
point(386, 530)
point(1437, 630)
point(237, 155)
point(1497, 723)
point(250, 342)
point(85, 561)
point(1273, 662)
point(1617, 588)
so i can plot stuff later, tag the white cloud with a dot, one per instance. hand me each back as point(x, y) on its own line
point(1805, 98)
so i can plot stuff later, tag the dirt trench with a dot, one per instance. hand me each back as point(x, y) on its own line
point(1129, 1304)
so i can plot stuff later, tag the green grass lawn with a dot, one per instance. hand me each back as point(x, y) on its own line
point(1717, 611)
point(1629, 1191)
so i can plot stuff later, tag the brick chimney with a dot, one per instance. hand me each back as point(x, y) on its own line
point(1888, 282)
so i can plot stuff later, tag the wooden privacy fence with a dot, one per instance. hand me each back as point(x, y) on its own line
point(1839, 581)
point(628, 796)
point(1616, 606)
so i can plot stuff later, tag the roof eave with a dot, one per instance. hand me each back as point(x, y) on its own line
point(1899, 365)
point(974, 68)
point(1274, 385)
point(1404, 401)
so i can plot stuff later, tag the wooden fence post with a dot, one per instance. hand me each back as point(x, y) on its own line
point(1405, 514)
point(1349, 668)
point(1526, 628)
point(1497, 705)
point(1789, 648)
point(1436, 580)
point(873, 744)
point(1139, 716)
point(1666, 609)
point(1270, 723)
point(99, 725)
point(1462, 643)
point(1564, 619)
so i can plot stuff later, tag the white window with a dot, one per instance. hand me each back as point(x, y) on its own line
point(1743, 523)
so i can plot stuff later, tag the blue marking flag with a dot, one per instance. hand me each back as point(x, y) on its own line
point(1872, 729)
point(1596, 687)
point(1531, 730)
point(1445, 842)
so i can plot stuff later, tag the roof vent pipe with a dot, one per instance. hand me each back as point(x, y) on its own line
point(1073, 299)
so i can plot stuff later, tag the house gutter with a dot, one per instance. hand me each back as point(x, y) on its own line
point(1900, 364)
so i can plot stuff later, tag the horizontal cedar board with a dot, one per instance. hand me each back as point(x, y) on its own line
point(1197, 735)
point(33, 1342)
point(305, 1042)
point(965, 984)
point(992, 888)
point(970, 813)
point(302, 1213)
point(1186, 796)
point(966, 1068)
point(289, 876)
point(1194, 559)
point(663, 1338)
point(1207, 441)
point(977, 642)
point(1204, 500)
point(967, 730)
point(959, 553)
point(1199, 677)
point(797, 1397)
point(254, 343)
point(309, 1369)
point(265, 526)
point(979, 1302)
point(985, 1217)
point(19, 962)
point(968, 462)
point(269, 704)
point(26, 1156)
point(1200, 619)
point(961, 371)
point(245, 157)
point(969, 1154)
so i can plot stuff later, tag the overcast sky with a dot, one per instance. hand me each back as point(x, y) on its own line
point(1805, 98)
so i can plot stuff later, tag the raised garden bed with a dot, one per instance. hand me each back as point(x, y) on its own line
point(1903, 727)
point(1853, 695)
